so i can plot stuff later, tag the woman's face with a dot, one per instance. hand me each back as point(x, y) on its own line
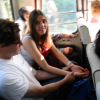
point(41, 25)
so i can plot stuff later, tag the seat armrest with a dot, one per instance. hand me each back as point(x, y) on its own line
point(94, 61)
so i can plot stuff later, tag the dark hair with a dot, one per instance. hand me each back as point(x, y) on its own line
point(32, 23)
point(8, 32)
point(97, 44)
point(22, 11)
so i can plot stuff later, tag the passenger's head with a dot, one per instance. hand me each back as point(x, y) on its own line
point(95, 7)
point(9, 38)
point(9, 32)
point(97, 44)
point(38, 26)
point(24, 12)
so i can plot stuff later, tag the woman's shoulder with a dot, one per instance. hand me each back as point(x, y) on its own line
point(26, 36)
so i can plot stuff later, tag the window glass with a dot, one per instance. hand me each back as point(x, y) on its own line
point(5, 9)
point(61, 12)
point(59, 6)
point(62, 18)
point(64, 28)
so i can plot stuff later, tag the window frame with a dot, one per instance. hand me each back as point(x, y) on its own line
point(82, 6)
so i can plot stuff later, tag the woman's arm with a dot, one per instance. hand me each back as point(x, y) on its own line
point(30, 46)
point(59, 55)
point(74, 68)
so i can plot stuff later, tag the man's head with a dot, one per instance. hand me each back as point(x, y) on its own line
point(9, 37)
point(95, 7)
point(24, 12)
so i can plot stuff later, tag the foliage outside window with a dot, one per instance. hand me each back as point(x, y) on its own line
point(61, 15)
point(5, 9)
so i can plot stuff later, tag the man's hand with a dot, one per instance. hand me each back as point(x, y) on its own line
point(79, 71)
point(67, 50)
point(69, 78)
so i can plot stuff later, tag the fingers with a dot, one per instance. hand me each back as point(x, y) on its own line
point(81, 75)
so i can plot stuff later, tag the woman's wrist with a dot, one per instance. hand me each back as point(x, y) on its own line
point(70, 64)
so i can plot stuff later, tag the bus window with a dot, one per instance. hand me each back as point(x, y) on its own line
point(5, 9)
point(61, 15)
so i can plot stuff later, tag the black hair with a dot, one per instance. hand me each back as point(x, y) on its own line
point(22, 11)
point(97, 44)
point(8, 32)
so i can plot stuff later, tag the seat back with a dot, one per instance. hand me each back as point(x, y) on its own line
point(83, 30)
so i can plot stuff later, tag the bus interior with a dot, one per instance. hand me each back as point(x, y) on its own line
point(64, 17)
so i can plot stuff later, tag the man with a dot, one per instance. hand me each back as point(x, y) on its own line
point(18, 80)
point(24, 13)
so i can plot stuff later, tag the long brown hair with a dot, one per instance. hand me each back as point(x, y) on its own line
point(31, 28)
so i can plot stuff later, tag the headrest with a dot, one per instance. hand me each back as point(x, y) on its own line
point(83, 29)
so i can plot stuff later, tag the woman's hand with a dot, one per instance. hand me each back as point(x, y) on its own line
point(79, 71)
point(67, 50)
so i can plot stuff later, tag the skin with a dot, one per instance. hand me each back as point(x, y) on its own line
point(8, 51)
point(37, 91)
point(29, 9)
point(67, 50)
point(41, 27)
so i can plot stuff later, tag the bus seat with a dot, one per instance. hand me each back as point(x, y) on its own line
point(94, 61)
point(83, 30)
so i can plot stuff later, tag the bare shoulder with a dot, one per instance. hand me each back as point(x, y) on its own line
point(28, 43)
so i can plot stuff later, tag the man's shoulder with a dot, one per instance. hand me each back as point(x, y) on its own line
point(19, 20)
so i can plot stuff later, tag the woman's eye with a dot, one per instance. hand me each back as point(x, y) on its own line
point(44, 21)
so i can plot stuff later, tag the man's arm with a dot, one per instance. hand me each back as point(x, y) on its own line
point(41, 91)
point(43, 75)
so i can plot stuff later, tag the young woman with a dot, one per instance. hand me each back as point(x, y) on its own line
point(37, 43)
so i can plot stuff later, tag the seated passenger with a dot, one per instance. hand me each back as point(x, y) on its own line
point(94, 25)
point(37, 44)
point(19, 81)
point(22, 21)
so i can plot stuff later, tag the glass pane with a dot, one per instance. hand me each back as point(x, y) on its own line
point(58, 6)
point(62, 18)
point(65, 28)
point(5, 9)
point(61, 12)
